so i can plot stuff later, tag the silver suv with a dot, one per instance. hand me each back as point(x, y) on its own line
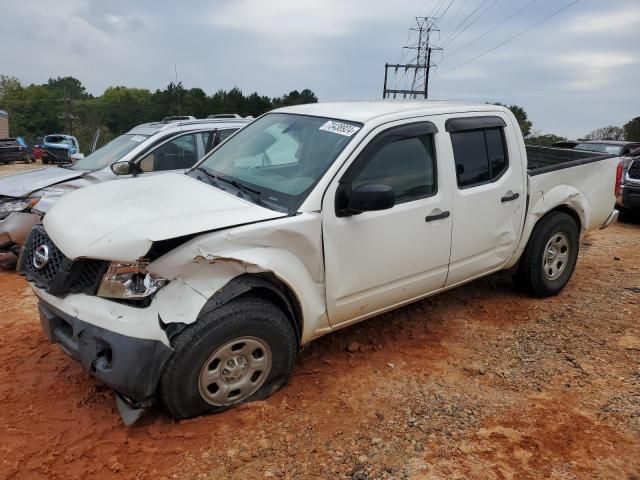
point(146, 149)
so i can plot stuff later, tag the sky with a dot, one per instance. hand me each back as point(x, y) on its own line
point(578, 71)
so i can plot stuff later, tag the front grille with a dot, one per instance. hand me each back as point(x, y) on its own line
point(60, 275)
point(634, 170)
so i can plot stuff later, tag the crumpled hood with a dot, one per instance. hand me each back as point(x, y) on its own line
point(22, 184)
point(120, 220)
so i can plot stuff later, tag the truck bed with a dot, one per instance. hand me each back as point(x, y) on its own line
point(548, 159)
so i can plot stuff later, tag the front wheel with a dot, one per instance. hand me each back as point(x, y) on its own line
point(550, 256)
point(241, 351)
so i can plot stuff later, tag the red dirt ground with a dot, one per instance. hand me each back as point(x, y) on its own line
point(480, 382)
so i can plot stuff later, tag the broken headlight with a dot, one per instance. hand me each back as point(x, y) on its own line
point(129, 281)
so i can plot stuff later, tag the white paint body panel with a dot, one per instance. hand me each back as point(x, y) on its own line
point(120, 220)
point(341, 270)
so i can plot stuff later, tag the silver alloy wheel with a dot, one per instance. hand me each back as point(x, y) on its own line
point(235, 371)
point(556, 256)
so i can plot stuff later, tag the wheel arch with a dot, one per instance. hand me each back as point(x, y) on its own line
point(265, 285)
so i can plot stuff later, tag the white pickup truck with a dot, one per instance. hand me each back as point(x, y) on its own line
point(200, 289)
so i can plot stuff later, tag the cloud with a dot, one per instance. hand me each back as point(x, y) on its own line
point(610, 23)
point(594, 71)
point(109, 17)
point(338, 49)
point(301, 18)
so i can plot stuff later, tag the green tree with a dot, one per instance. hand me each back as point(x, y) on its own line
point(606, 133)
point(545, 140)
point(122, 108)
point(68, 87)
point(521, 115)
point(632, 130)
point(9, 85)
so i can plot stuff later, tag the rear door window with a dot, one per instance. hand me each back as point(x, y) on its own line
point(480, 156)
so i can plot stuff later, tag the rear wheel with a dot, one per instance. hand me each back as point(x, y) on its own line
point(241, 351)
point(550, 257)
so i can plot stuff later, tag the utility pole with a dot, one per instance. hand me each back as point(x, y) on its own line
point(421, 67)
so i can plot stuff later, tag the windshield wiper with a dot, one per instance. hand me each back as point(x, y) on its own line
point(238, 185)
point(246, 191)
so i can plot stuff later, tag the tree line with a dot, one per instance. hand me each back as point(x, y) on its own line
point(629, 132)
point(63, 105)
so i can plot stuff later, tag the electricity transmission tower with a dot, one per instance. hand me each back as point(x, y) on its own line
point(416, 73)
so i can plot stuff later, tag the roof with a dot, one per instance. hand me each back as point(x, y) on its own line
point(365, 111)
point(155, 127)
point(3, 114)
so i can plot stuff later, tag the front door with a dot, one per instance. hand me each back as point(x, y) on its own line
point(379, 259)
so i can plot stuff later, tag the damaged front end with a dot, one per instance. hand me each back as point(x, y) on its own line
point(131, 366)
point(14, 231)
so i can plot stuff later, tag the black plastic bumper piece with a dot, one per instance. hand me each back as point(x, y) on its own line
point(631, 198)
point(131, 366)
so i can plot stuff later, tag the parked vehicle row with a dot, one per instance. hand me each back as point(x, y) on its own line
point(146, 149)
point(199, 289)
point(11, 150)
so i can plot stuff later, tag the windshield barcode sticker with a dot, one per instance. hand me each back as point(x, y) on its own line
point(138, 138)
point(340, 128)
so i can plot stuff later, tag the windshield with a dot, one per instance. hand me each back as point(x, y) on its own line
point(110, 153)
point(58, 139)
point(600, 147)
point(278, 158)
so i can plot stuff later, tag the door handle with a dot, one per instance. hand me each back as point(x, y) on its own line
point(437, 216)
point(510, 197)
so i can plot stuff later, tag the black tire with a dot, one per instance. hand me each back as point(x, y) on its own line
point(531, 275)
point(243, 317)
point(45, 162)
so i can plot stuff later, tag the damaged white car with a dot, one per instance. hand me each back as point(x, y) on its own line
point(199, 289)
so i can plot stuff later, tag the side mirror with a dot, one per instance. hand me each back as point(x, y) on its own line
point(123, 168)
point(76, 156)
point(371, 197)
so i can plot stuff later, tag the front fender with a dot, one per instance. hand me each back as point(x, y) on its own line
point(288, 248)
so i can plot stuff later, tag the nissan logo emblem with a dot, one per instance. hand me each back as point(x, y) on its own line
point(41, 257)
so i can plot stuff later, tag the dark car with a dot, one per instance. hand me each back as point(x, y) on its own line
point(618, 148)
point(11, 151)
point(565, 144)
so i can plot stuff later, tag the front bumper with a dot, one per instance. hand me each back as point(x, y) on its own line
point(131, 366)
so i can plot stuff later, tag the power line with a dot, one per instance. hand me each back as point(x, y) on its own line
point(491, 30)
point(436, 8)
point(513, 37)
point(441, 16)
point(465, 20)
point(455, 15)
point(451, 39)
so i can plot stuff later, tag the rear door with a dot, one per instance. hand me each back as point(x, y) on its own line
point(379, 259)
point(488, 196)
